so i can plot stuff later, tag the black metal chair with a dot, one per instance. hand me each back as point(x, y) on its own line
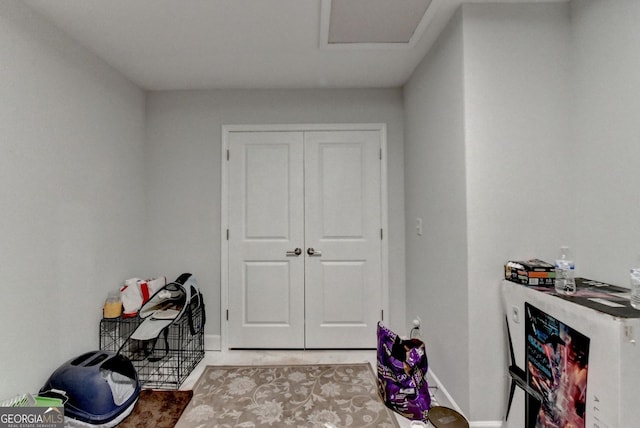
point(519, 378)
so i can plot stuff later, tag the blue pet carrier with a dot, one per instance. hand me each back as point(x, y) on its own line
point(101, 387)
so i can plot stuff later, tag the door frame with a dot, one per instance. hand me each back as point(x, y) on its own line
point(224, 192)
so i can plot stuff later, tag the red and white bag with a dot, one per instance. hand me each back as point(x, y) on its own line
point(136, 292)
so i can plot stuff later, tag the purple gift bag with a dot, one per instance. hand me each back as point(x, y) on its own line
point(402, 366)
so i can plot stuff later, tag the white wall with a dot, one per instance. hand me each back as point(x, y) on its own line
point(71, 195)
point(607, 78)
point(518, 146)
point(510, 146)
point(183, 165)
point(435, 183)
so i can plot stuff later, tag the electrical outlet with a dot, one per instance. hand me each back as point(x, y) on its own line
point(515, 314)
point(417, 322)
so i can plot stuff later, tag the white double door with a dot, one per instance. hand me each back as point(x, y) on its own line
point(304, 216)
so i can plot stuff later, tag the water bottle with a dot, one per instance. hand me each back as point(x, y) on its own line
point(635, 286)
point(565, 282)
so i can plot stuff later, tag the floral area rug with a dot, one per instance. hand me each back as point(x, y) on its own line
point(324, 396)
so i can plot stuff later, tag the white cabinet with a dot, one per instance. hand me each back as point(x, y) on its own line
point(581, 353)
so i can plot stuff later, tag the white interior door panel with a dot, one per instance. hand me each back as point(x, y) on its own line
point(342, 225)
point(266, 281)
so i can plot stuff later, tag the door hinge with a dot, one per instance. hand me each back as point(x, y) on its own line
point(381, 314)
point(227, 314)
point(380, 154)
point(381, 235)
point(228, 155)
point(227, 234)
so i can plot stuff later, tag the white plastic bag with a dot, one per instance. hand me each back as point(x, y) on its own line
point(136, 292)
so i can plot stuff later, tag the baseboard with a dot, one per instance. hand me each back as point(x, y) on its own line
point(212, 342)
point(442, 395)
point(445, 399)
point(486, 424)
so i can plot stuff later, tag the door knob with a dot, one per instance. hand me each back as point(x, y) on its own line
point(315, 253)
point(295, 252)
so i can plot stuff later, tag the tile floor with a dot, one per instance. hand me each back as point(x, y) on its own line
point(249, 357)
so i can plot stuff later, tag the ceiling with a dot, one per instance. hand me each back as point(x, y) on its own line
point(198, 44)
